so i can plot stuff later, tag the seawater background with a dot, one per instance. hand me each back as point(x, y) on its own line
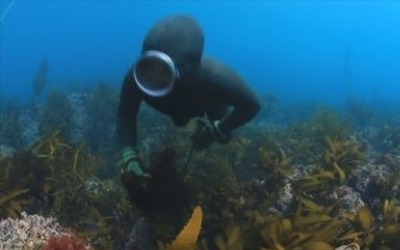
point(301, 51)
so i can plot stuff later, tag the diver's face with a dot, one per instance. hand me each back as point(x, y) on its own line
point(154, 73)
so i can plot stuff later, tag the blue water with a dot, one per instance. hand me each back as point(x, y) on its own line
point(299, 50)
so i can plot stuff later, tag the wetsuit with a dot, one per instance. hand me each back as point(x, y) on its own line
point(216, 91)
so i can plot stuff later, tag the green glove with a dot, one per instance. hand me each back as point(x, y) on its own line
point(131, 162)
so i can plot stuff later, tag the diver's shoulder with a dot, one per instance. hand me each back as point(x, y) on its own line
point(216, 70)
point(212, 65)
point(209, 62)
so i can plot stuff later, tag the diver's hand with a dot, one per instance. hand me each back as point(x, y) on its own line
point(202, 137)
point(207, 134)
point(131, 162)
point(131, 167)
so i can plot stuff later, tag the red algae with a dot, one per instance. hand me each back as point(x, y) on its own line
point(66, 243)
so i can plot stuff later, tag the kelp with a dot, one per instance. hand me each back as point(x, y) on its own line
point(277, 168)
point(346, 154)
point(339, 160)
point(231, 239)
point(187, 238)
point(314, 225)
point(305, 141)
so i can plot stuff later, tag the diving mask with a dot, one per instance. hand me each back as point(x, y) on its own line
point(155, 73)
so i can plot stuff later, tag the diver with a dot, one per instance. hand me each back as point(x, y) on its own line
point(173, 76)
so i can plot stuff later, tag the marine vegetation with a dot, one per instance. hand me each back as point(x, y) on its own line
point(21, 185)
point(188, 236)
point(57, 115)
point(56, 179)
point(10, 126)
point(101, 112)
point(313, 184)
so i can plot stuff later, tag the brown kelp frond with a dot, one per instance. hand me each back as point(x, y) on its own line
point(187, 238)
point(231, 238)
point(22, 177)
point(11, 202)
point(346, 154)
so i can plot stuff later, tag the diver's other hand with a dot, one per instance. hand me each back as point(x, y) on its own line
point(202, 136)
point(207, 134)
point(219, 135)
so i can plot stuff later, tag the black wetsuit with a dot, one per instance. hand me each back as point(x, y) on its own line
point(219, 93)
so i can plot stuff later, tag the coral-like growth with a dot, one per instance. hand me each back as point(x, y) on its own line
point(29, 232)
point(70, 242)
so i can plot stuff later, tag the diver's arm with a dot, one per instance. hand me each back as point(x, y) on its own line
point(128, 108)
point(228, 88)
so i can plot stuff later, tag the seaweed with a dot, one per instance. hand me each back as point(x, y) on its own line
point(100, 122)
point(239, 186)
point(187, 238)
point(305, 141)
point(346, 154)
point(22, 181)
point(10, 126)
point(59, 180)
point(57, 115)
